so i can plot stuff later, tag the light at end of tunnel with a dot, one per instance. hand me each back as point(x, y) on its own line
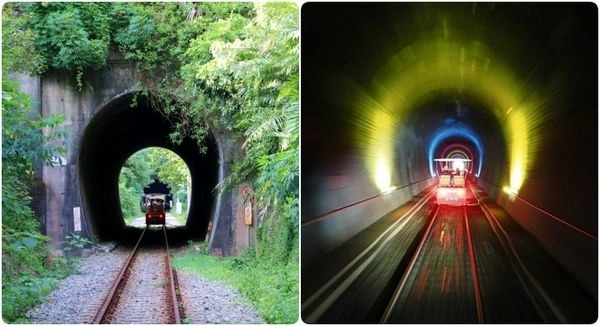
point(458, 165)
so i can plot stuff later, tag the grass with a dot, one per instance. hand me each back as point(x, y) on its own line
point(272, 287)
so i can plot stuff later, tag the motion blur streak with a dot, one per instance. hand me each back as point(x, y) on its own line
point(381, 145)
point(451, 63)
point(518, 135)
point(375, 134)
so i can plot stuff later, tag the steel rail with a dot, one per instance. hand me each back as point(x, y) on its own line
point(474, 275)
point(176, 315)
point(549, 214)
point(509, 248)
point(117, 283)
point(413, 261)
point(376, 246)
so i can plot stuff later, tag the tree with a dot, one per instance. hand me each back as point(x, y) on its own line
point(19, 53)
point(169, 168)
point(134, 176)
point(249, 86)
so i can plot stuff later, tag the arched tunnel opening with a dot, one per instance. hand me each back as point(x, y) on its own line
point(154, 172)
point(118, 130)
point(455, 125)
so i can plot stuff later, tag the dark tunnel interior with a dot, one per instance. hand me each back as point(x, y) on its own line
point(353, 64)
point(460, 125)
point(115, 133)
point(386, 88)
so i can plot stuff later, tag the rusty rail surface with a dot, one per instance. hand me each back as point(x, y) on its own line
point(117, 284)
point(111, 300)
point(172, 285)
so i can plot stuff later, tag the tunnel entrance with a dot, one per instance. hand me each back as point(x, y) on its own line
point(150, 171)
point(117, 131)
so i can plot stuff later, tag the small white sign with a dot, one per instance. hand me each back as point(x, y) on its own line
point(77, 219)
point(178, 207)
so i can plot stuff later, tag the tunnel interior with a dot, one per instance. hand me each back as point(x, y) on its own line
point(117, 131)
point(382, 97)
point(456, 125)
point(428, 78)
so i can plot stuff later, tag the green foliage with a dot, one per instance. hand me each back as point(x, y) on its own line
point(134, 26)
point(26, 139)
point(71, 35)
point(76, 241)
point(278, 185)
point(243, 75)
point(18, 49)
point(271, 288)
point(27, 276)
point(250, 87)
point(140, 170)
point(134, 176)
point(22, 293)
point(169, 168)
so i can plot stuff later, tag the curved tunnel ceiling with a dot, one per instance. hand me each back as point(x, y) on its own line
point(457, 127)
point(116, 132)
point(499, 61)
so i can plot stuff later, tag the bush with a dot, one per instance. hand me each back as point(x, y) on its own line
point(27, 275)
point(23, 292)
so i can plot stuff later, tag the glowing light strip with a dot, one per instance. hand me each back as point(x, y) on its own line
point(453, 65)
point(457, 65)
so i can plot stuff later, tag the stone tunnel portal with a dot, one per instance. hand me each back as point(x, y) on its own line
point(116, 132)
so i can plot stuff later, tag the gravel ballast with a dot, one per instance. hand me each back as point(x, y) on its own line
point(210, 302)
point(77, 297)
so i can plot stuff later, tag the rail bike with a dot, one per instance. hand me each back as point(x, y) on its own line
point(452, 178)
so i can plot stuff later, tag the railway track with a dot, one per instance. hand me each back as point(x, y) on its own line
point(337, 296)
point(439, 275)
point(144, 290)
point(457, 265)
point(465, 270)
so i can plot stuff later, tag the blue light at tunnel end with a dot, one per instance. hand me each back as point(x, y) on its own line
point(454, 131)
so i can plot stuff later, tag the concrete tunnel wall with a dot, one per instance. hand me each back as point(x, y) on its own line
point(353, 54)
point(64, 195)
